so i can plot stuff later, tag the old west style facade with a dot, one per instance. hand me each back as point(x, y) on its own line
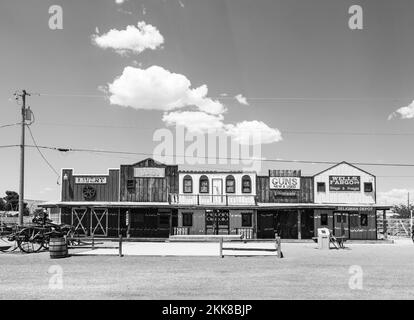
point(152, 199)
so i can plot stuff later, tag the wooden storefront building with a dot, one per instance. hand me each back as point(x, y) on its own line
point(152, 199)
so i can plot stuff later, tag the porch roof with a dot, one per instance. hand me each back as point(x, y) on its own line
point(105, 204)
point(322, 205)
point(260, 205)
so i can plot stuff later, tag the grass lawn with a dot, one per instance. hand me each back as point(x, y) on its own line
point(304, 273)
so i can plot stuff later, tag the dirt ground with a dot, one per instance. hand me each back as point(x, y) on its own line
point(304, 273)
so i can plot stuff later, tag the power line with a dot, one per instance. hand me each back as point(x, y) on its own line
point(100, 152)
point(287, 132)
point(42, 155)
point(224, 158)
point(10, 125)
point(9, 146)
point(229, 97)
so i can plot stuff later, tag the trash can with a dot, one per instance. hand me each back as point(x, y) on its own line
point(323, 238)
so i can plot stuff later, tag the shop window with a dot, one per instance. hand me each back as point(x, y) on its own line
point(368, 187)
point(247, 220)
point(204, 184)
point(321, 187)
point(324, 219)
point(230, 184)
point(187, 219)
point(364, 220)
point(246, 184)
point(188, 184)
point(130, 184)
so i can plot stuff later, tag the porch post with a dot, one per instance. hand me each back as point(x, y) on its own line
point(119, 221)
point(384, 224)
point(299, 225)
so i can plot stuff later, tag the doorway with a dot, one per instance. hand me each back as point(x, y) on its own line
point(217, 222)
point(217, 191)
point(341, 224)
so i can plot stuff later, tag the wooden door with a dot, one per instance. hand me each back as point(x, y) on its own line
point(341, 224)
point(265, 225)
point(217, 222)
point(217, 191)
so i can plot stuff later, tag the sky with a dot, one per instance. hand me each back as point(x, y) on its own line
point(290, 69)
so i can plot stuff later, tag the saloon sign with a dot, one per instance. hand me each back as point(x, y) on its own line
point(285, 183)
point(344, 183)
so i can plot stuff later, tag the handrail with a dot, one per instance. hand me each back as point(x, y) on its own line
point(208, 198)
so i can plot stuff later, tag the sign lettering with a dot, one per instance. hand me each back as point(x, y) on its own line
point(344, 183)
point(90, 180)
point(149, 172)
point(285, 183)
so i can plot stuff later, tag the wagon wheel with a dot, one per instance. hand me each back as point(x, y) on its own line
point(30, 240)
point(73, 237)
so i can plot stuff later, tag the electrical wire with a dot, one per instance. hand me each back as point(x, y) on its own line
point(223, 158)
point(42, 155)
point(9, 125)
point(229, 97)
point(284, 132)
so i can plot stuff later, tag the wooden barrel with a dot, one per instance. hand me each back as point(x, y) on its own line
point(58, 248)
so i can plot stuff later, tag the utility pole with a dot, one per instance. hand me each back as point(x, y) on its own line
point(22, 143)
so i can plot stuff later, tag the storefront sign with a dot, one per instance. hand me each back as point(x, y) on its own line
point(286, 193)
point(357, 209)
point(149, 172)
point(90, 180)
point(344, 183)
point(283, 183)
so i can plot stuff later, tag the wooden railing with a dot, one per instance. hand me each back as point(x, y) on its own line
point(247, 233)
point(181, 231)
point(212, 199)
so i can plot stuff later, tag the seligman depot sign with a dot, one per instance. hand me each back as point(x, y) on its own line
point(344, 183)
point(285, 183)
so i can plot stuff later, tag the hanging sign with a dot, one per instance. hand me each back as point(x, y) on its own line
point(90, 180)
point(149, 172)
point(344, 183)
point(284, 183)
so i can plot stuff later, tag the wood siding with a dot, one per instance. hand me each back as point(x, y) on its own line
point(72, 191)
point(267, 195)
point(351, 197)
point(148, 189)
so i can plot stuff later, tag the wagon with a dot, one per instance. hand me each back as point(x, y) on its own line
point(33, 237)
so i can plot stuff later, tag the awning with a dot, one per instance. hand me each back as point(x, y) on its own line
point(122, 204)
point(103, 204)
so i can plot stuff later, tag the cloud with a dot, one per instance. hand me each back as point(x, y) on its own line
point(394, 196)
point(131, 40)
point(156, 88)
point(120, 1)
point(241, 99)
point(253, 132)
point(194, 121)
point(403, 112)
point(246, 132)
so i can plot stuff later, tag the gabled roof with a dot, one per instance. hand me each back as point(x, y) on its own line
point(347, 163)
point(150, 161)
